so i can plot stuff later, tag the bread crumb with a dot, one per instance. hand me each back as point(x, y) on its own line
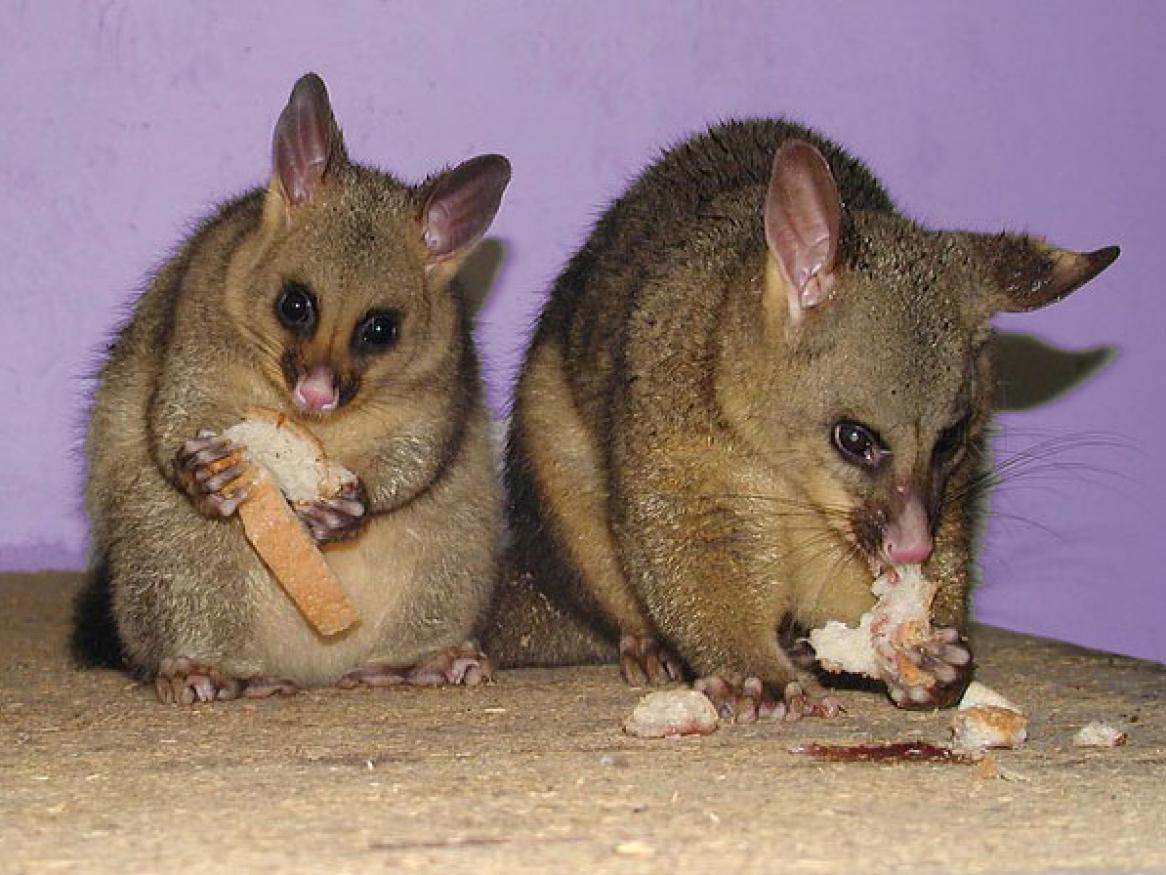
point(979, 695)
point(672, 713)
point(1098, 734)
point(986, 719)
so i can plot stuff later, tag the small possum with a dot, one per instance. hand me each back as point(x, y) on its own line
point(329, 297)
point(754, 388)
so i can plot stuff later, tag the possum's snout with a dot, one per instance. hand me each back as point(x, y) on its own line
point(316, 391)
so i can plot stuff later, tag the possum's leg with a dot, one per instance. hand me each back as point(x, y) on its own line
point(557, 452)
point(464, 665)
point(946, 655)
point(703, 568)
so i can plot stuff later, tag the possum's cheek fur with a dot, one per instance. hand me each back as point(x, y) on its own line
point(831, 501)
point(866, 533)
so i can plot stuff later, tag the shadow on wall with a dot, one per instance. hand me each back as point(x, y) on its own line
point(476, 277)
point(1029, 372)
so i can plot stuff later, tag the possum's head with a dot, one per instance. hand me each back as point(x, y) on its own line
point(884, 383)
point(346, 290)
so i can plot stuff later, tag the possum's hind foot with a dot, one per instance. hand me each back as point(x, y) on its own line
point(643, 662)
point(464, 665)
point(752, 700)
point(183, 681)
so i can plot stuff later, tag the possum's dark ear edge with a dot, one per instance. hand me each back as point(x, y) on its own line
point(461, 206)
point(1029, 274)
point(307, 144)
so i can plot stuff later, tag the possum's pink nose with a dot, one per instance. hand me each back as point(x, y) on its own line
point(907, 537)
point(909, 554)
point(316, 390)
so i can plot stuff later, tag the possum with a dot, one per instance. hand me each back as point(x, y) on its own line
point(330, 297)
point(755, 388)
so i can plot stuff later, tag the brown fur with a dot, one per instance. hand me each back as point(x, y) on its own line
point(204, 345)
point(670, 462)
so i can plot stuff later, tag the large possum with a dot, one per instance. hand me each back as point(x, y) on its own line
point(755, 386)
point(329, 297)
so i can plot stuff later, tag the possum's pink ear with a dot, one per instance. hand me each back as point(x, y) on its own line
point(1028, 273)
point(307, 144)
point(802, 216)
point(461, 205)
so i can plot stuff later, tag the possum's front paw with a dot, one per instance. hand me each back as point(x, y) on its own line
point(751, 699)
point(338, 518)
point(211, 469)
point(932, 674)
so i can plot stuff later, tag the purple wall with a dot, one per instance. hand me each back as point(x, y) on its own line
point(120, 123)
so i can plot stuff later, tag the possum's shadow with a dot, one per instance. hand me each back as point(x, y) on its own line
point(1030, 372)
point(475, 278)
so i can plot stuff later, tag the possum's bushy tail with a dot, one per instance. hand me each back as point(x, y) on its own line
point(94, 641)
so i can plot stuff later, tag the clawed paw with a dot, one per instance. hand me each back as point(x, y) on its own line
point(465, 665)
point(933, 674)
point(184, 681)
point(211, 469)
point(337, 518)
point(643, 662)
point(752, 700)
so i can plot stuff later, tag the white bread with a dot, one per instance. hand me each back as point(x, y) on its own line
point(986, 719)
point(671, 714)
point(287, 460)
point(877, 648)
point(1096, 734)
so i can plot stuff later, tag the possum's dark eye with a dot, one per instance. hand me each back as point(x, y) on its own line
point(377, 331)
point(296, 308)
point(858, 444)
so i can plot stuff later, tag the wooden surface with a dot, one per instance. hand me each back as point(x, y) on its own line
point(533, 774)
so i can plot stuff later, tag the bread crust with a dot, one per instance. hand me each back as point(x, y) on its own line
point(284, 543)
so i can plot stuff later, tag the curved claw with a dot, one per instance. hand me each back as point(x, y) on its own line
point(335, 519)
point(752, 700)
point(464, 665)
point(182, 681)
point(643, 662)
point(211, 470)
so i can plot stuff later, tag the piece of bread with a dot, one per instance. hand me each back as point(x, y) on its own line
point(986, 719)
point(288, 464)
point(671, 714)
point(877, 647)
